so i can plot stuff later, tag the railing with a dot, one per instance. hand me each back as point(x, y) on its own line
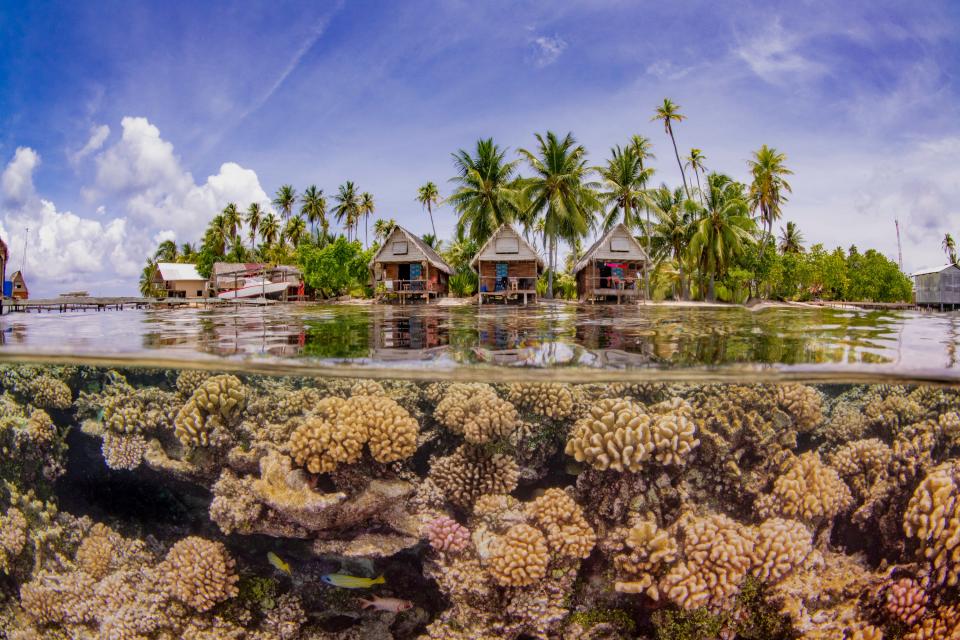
point(614, 283)
point(404, 286)
point(493, 284)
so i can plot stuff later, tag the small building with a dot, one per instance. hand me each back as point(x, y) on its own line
point(19, 289)
point(937, 286)
point(508, 267)
point(179, 280)
point(407, 268)
point(233, 280)
point(612, 268)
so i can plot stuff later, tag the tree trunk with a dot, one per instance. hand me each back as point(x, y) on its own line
point(553, 242)
point(711, 293)
point(646, 264)
point(699, 188)
point(432, 226)
point(683, 176)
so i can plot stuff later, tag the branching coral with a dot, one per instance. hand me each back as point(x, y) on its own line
point(803, 403)
point(519, 557)
point(615, 434)
point(123, 451)
point(933, 517)
point(47, 392)
point(470, 472)
point(808, 490)
point(780, 547)
point(561, 519)
point(545, 399)
point(321, 446)
point(447, 535)
point(13, 537)
point(650, 549)
point(217, 401)
point(861, 463)
point(905, 600)
point(476, 411)
point(199, 573)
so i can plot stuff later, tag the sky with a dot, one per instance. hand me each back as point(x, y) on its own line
point(126, 123)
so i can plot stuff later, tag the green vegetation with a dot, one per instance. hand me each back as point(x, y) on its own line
point(616, 617)
point(711, 238)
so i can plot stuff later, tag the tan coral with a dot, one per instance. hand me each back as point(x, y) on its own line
point(861, 463)
point(199, 573)
point(470, 472)
point(561, 518)
point(944, 624)
point(808, 490)
point(321, 446)
point(40, 427)
point(862, 631)
point(367, 388)
point(615, 434)
point(13, 537)
point(47, 392)
point(217, 401)
point(476, 411)
point(674, 435)
point(803, 403)
point(781, 547)
point(96, 552)
point(519, 557)
point(933, 517)
point(123, 451)
point(905, 600)
point(189, 379)
point(545, 399)
point(650, 548)
point(391, 431)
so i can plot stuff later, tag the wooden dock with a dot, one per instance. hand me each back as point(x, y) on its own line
point(64, 304)
point(846, 304)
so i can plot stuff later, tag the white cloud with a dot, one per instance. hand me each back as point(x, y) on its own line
point(772, 53)
point(16, 182)
point(61, 247)
point(547, 49)
point(142, 170)
point(98, 135)
point(667, 70)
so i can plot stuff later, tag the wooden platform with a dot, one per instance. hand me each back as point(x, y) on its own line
point(526, 294)
point(63, 304)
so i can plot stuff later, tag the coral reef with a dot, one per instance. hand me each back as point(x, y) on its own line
point(475, 411)
point(470, 472)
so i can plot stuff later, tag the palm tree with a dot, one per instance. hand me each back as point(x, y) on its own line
point(623, 183)
point(215, 237)
point(270, 229)
point(791, 240)
point(724, 230)
point(669, 113)
point(314, 208)
point(768, 187)
point(432, 241)
point(253, 218)
point(642, 146)
point(383, 228)
point(367, 207)
point(428, 195)
point(674, 228)
point(147, 287)
point(949, 248)
point(231, 220)
point(558, 193)
point(166, 252)
point(294, 230)
point(695, 162)
point(486, 195)
point(348, 206)
point(285, 199)
point(188, 252)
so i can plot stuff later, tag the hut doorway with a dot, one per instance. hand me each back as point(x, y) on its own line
point(403, 272)
point(605, 273)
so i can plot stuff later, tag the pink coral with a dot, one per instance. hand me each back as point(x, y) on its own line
point(906, 600)
point(446, 534)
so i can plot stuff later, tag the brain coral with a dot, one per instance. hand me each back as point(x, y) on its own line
point(199, 573)
point(933, 517)
point(615, 434)
point(808, 490)
point(549, 400)
point(476, 411)
point(561, 518)
point(519, 557)
point(470, 472)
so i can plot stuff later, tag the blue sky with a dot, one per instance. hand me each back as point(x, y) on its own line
point(122, 123)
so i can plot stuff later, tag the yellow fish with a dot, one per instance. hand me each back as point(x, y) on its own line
point(351, 582)
point(278, 563)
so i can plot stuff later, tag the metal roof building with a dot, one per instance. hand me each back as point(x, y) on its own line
point(937, 286)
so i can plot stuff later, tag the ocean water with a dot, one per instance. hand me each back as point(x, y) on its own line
point(562, 472)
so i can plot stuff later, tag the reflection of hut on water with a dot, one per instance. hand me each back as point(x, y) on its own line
point(508, 267)
point(408, 268)
point(612, 269)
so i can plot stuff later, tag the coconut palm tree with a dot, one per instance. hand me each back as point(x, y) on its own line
point(270, 229)
point(253, 218)
point(486, 193)
point(432, 241)
point(558, 192)
point(166, 252)
point(724, 231)
point(348, 206)
point(231, 220)
point(949, 248)
point(383, 228)
point(671, 233)
point(768, 187)
point(313, 206)
point(216, 235)
point(428, 195)
point(642, 146)
point(188, 252)
point(668, 113)
point(791, 240)
point(147, 288)
point(285, 199)
point(367, 207)
point(622, 184)
point(294, 230)
point(695, 162)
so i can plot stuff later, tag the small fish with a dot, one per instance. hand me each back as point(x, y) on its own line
point(396, 605)
point(351, 582)
point(278, 563)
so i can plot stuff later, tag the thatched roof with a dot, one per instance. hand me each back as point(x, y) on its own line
point(428, 252)
point(525, 250)
point(601, 249)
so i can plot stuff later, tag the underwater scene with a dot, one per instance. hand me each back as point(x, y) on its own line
point(143, 504)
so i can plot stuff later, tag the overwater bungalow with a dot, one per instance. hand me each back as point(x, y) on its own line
point(937, 287)
point(612, 268)
point(508, 267)
point(179, 280)
point(19, 288)
point(407, 268)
